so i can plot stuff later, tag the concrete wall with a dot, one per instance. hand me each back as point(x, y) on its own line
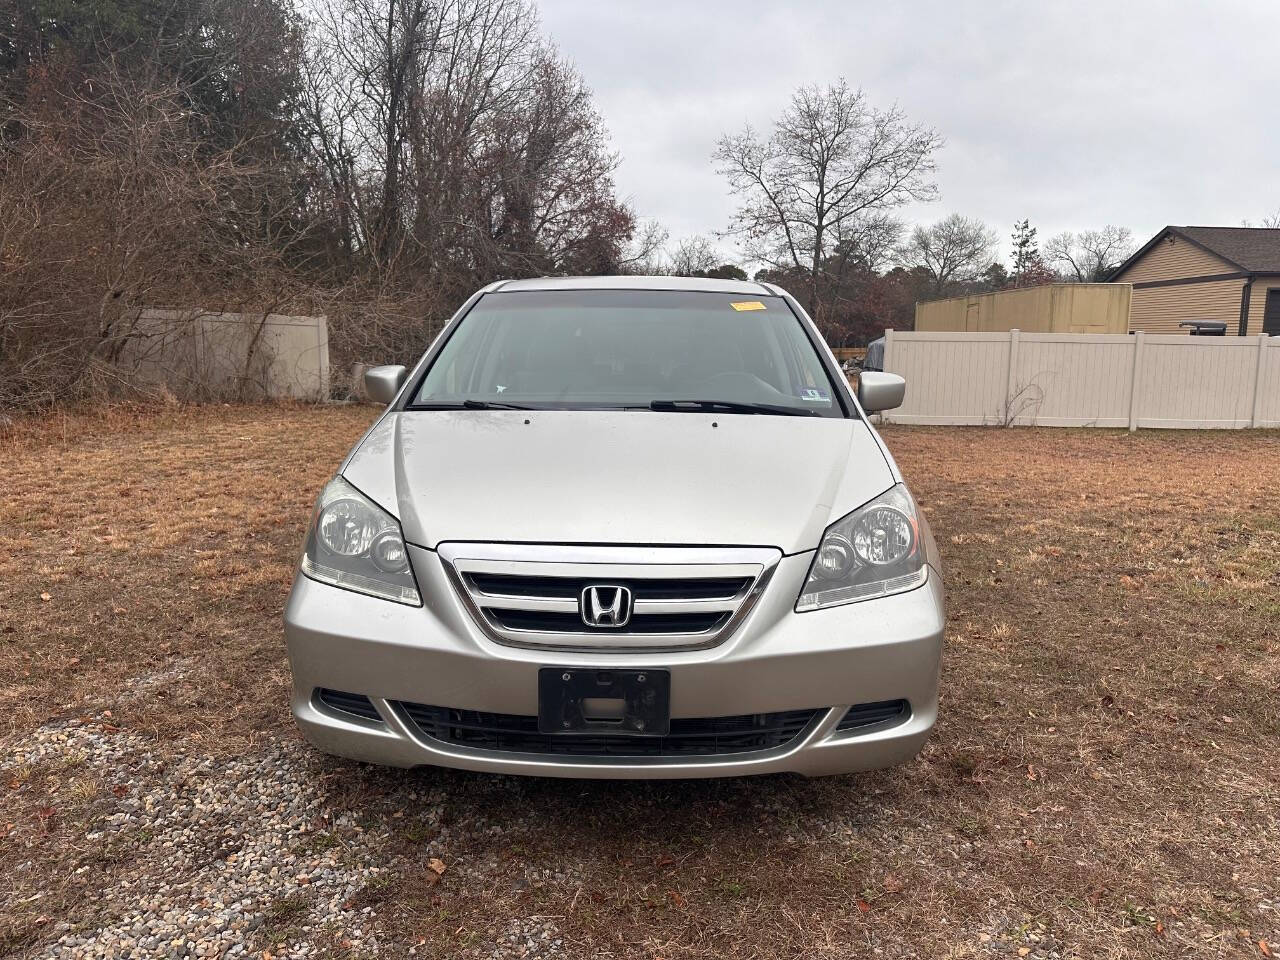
point(203, 355)
point(1057, 380)
point(1051, 308)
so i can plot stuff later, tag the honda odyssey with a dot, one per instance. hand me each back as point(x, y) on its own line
point(620, 527)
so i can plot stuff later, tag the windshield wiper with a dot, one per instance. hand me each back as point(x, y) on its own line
point(731, 406)
point(468, 405)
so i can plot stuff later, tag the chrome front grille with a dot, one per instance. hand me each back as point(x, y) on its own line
point(682, 597)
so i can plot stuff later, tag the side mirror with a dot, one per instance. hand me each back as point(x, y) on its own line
point(383, 383)
point(880, 391)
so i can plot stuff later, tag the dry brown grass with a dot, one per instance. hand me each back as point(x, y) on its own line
point(1103, 781)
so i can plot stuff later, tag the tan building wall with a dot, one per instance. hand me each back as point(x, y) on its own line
point(1173, 258)
point(1161, 309)
point(1052, 308)
point(1258, 300)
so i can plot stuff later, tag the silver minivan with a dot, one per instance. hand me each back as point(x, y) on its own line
point(625, 527)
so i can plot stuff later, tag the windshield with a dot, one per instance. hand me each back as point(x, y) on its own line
point(670, 350)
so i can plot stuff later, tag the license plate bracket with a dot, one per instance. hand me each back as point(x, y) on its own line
point(644, 695)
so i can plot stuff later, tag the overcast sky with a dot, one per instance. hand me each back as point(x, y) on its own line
point(1074, 115)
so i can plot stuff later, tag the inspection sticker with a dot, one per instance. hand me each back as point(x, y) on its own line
point(741, 305)
point(814, 395)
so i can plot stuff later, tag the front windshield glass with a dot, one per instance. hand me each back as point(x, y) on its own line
point(578, 349)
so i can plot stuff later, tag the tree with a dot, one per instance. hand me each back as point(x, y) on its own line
point(832, 163)
point(457, 146)
point(1090, 256)
point(643, 255)
point(953, 252)
point(995, 277)
point(1026, 252)
point(693, 257)
point(236, 63)
point(726, 271)
point(1272, 221)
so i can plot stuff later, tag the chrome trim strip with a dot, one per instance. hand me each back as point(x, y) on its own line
point(628, 563)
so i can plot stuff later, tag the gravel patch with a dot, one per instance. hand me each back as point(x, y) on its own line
point(229, 853)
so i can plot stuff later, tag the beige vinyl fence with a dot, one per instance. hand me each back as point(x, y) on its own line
point(206, 355)
point(1092, 380)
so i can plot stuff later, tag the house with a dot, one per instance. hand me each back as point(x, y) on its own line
point(1187, 275)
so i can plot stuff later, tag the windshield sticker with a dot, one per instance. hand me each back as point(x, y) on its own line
point(814, 395)
point(741, 305)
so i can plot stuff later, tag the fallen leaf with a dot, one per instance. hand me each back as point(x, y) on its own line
point(1023, 951)
point(437, 866)
point(46, 597)
point(864, 906)
point(1031, 772)
point(1265, 949)
point(676, 898)
point(119, 789)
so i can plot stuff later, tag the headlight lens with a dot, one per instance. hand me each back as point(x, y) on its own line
point(355, 544)
point(873, 552)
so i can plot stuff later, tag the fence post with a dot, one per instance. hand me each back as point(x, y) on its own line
point(1133, 381)
point(1008, 379)
point(888, 348)
point(1256, 417)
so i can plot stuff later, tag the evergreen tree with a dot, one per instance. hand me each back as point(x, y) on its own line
point(1026, 252)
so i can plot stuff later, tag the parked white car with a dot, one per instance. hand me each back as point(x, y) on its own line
point(620, 527)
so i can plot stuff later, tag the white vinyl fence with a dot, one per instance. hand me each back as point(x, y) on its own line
point(1086, 380)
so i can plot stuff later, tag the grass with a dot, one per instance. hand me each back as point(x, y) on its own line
point(1103, 781)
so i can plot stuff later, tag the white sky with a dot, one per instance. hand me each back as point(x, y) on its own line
point(1076, 115)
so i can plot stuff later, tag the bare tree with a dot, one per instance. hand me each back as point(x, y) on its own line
point(1272, 221)
point(956, 250)
point(693, 256)
point(457, 146)
point(831, 161)
point(643, 255)
point(113, 201)
point(1090, 256)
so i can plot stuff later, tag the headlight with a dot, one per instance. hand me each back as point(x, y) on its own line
point(873, 552)
point(355, 544)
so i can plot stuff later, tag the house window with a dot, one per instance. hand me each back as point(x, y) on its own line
point(1271, 315)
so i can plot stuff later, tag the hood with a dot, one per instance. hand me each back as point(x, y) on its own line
point(617, 477)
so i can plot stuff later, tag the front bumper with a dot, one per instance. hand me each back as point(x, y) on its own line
point(776, 660)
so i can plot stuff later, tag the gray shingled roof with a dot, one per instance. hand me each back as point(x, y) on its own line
point(1255, 249)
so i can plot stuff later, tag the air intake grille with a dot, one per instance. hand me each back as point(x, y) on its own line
point(701, 737)
point(679, 597)
point(864, 715)
point(353, 703)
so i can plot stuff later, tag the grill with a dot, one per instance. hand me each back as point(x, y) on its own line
point(865, 715)
point(682, 597)
point(355, 704)
point(700, 737)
